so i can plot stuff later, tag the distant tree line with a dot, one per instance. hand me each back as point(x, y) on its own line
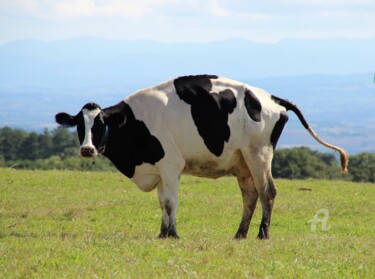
point(58, 149)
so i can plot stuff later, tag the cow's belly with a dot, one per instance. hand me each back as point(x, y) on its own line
point(146, 177)
point(215, 167)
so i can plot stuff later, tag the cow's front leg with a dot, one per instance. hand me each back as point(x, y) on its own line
point(168, 198)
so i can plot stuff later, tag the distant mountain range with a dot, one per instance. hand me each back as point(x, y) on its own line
point(332, 81)
point(89, 61)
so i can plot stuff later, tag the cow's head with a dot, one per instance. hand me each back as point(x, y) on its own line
point(91, 128)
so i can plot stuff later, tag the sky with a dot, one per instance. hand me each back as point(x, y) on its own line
point(187, 20)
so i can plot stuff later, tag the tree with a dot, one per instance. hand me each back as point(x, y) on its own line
point(45, 144)
point(302, 162)
point(10, 142)
point(362, 167)
point(29, 149)
point(64, 143)
point(58, 150)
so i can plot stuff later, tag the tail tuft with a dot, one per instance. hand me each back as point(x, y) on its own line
point(344, 161)
point(343, 156)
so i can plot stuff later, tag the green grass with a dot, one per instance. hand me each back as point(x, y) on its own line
point(62, 224)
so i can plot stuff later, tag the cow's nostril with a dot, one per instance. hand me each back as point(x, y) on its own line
point(87, 152)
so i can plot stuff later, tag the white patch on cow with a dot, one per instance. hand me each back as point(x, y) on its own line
point(88, 118)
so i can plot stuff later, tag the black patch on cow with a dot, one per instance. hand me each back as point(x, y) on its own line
point(91, 106)
point(279, 126)
point(98, 132)
point(210, 110)
point(253, 105)
point(80, 127)
point(130, 144)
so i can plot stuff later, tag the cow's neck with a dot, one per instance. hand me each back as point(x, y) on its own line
point(118, 151)
point(132, 144)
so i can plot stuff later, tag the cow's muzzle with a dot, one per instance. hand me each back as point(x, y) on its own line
point(88, 152)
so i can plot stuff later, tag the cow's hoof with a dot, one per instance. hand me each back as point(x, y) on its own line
point(263, 237)
point(240, 235)
point(162, 236)
point(173, 235)
point(263, 233)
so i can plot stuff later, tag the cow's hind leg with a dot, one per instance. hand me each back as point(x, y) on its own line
point(259, 162)
point(250, 198)
point(267, 198)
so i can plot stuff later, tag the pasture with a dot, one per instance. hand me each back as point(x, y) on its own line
point(64, 224)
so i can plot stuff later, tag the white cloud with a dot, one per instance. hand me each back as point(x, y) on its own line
point(73, 9)
point(186, 20)
point(66, 9)
point(219, 11)
point(331, 2)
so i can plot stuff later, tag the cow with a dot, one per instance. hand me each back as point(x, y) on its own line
point(202, 125)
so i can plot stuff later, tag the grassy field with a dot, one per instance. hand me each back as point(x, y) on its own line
point(60, 224)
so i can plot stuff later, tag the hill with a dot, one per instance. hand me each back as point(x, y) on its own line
point(90, 61)
point(330, 80)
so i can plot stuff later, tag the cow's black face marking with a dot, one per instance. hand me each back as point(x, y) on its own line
point(279, 126)
point(253, 106)
point(80, 127)
point(99, 132)
point(129, 143)
point(210, 110)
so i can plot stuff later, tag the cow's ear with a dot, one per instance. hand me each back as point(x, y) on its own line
point(114, 118)
point(66, 119)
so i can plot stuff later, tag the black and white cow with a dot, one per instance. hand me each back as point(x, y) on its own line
point(203, 125)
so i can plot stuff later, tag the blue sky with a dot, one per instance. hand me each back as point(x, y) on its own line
point(187, 20)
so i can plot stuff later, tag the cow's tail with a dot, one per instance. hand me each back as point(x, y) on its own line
point(290, 106)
